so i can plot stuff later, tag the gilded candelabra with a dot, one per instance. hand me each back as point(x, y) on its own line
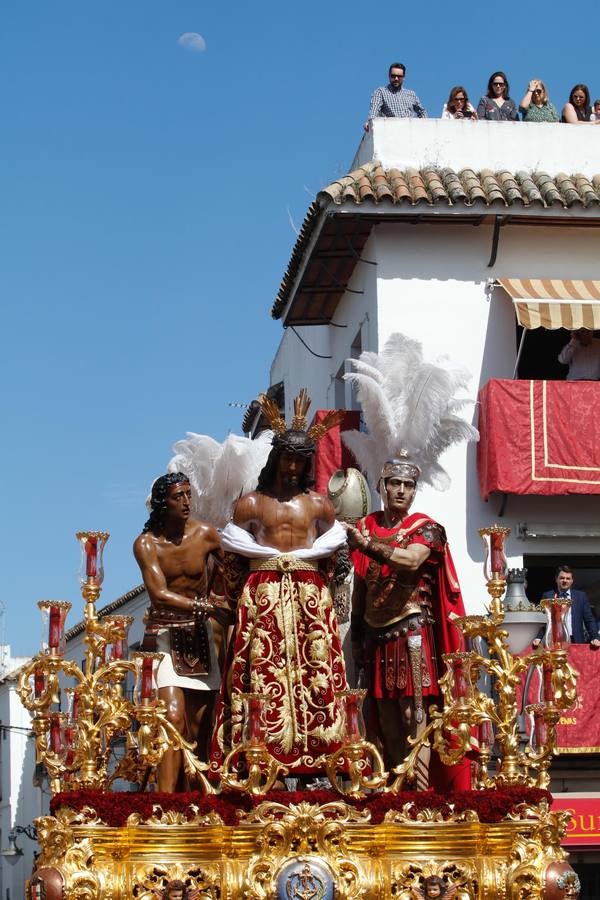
point(75, 745)
point(358, 760)
point(471, 720)
point(249, 767)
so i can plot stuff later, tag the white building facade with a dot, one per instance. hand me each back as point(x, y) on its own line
point(20, 800)
point(415, 240)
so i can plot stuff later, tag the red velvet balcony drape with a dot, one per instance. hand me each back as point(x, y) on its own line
point(539, 437)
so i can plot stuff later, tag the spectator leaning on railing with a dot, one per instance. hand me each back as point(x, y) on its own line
point(496, 104)
point(458, 105)
point(580, 622)
point(578, 109)
point(394, 100)
point(535, 105)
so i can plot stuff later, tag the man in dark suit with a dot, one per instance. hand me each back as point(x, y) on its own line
point(580, 621)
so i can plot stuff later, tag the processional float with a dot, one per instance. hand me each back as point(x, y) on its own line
point(368, 836)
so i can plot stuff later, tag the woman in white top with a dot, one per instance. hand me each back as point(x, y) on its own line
point(458, 106)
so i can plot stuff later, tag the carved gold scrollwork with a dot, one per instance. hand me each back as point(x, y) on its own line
point(460, 882)
point(202, 882)
point(533, 850)
point(291, 831)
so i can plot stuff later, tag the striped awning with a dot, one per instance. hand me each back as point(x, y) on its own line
point(555, 303)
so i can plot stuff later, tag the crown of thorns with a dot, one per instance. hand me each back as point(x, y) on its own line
point(299, 421)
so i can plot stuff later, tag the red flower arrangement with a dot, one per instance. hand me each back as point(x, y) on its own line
point(115, 808)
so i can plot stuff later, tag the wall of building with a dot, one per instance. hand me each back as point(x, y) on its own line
point(499, 146)
point(432, 285)
point(432, 282)
point(356, 315)
point(20, 801)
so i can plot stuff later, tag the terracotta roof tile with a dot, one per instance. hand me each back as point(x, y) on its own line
point(371, 184)
point(447, 186)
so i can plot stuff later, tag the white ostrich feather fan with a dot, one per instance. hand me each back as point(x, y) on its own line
point(408, 405)
point(219, 473)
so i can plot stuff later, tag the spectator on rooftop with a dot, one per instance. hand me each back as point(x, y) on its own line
point(578, 109)
point(394, 100)
point(582, 356)
point(595, 116)
point(497, 105)
point(535, 105)
point(458, 105)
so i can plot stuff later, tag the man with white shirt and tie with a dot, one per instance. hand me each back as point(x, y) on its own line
point(579, 613)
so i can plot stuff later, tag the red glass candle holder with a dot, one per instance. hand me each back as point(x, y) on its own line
point(255, 730)
point(495, 564)
point(486, 735)
point(353, 724)
point(59, 742)
point(91, 569)
point(55, 612)
point(556, 609)
point(39, 682)
point(145, 690)
point(460, 666)
point(547, 683)
point(119, 626)
point(538, 738)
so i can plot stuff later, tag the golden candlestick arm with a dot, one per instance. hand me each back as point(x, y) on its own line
point(76, 747)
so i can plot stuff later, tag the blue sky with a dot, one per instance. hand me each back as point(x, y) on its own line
point(146, 192)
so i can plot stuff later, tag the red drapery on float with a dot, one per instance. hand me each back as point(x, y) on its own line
point(332, 454)
point(578, 729)
point(539, 437)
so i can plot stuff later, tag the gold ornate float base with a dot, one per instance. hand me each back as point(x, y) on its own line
point(304, 851)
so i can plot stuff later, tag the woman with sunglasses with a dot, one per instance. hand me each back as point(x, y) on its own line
point(578, 109)
point(497, 105)
point(458, 105)
point(535, 105)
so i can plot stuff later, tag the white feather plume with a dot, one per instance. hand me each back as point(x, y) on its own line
point(409, 405)
point(219, 473)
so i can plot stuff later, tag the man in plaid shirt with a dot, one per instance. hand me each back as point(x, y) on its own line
point(394, 100)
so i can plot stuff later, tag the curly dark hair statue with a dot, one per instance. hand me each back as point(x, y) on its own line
point(158, 498)
point(175, 885)
point(290, 441)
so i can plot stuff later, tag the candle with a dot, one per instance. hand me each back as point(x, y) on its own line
point(486, 735)
point(75, 709)
point(541, 729)
point(39, 682)
point(91, 553)
point(497, 548)
point(548, 686)
point(147, 667)
point(118, 650)
point(54, 627)
point(256, 732)
point(556, 616)
point(352, 719)
point(460, 681)
point(69, 743)
point(55, 736)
